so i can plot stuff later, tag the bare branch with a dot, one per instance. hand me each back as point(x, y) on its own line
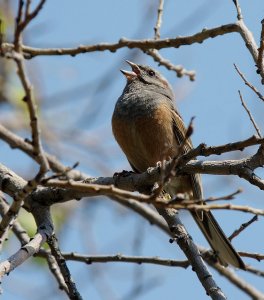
point(29, 99)
point(260, 62)
point(95, 189)
point(53, 266)
point(17, 142)
point(24, 239)
point(16, 227)
point(73, 293)
point(125, 258)
point(255, 271)
point(21, 22)
point(191, 251)
point(159, 20)
point(180, 70)
point(202, 207)
point(27, 11)
point(238, 282)
point(17, 34)
point(243, 227)
point(256, 256)
point(23, 254)
point(21, 71)
point(204, 150)
point(144, 45)
point(241, 168)
point(239, 13)
point(248, 38)
point(250, 115)
point(249, 84)
point(227, 197)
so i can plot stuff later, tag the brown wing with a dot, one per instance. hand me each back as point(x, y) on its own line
point(205, 220)
point(179, 132)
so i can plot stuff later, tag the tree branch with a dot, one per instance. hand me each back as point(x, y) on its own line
point(261, 97)
point(125, 258)
point(143, 45)
point(73, 293)
point(159, 20)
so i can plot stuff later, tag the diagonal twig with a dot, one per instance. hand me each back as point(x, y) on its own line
point(180, 70)
point(72, 290)
point(45, 229)
point(242, 227)
point(250, 115)
point(249, 84)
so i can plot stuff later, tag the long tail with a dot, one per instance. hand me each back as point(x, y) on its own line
point(218, 240)
point(213, 232)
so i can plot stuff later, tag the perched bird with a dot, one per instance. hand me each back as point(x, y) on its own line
point(149, 129)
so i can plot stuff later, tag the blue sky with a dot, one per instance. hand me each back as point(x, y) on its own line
point(77, 97)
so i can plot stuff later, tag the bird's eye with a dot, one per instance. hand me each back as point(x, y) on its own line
point(151, 73)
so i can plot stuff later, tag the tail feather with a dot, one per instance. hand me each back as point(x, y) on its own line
point(213, 232)
point(218, 240)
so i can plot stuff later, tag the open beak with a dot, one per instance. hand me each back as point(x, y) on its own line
point(130, 75)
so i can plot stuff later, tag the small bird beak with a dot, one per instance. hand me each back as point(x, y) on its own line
point(134, 67)
point(130, 75)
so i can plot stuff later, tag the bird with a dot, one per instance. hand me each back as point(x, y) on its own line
point(149, 129)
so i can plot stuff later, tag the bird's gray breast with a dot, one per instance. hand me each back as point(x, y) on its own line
point(133, 105)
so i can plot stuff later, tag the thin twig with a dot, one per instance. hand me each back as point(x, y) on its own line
point(125, 258)
point(197, 207)
point(204, 150)
point(96, 189)
point(29, 98)
point(3, 210)
point(255, 271)
point(260, 62)
point(28, 17)
point(31, 105)
point(24, 239)
point(159, 20)
point(53, 266)
point(72, 290)
point(250, 115)
point(17, 33)
point(27, 11)
point(23, 254)
point(16, 141)
point(256, 256)
point(243, 227)
point(238, 8)
point(1, 35)
point(185, 242)
point(249, 84)
point(226, 197)
point(178, 69)
point(238, 282)
point(210, 199)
